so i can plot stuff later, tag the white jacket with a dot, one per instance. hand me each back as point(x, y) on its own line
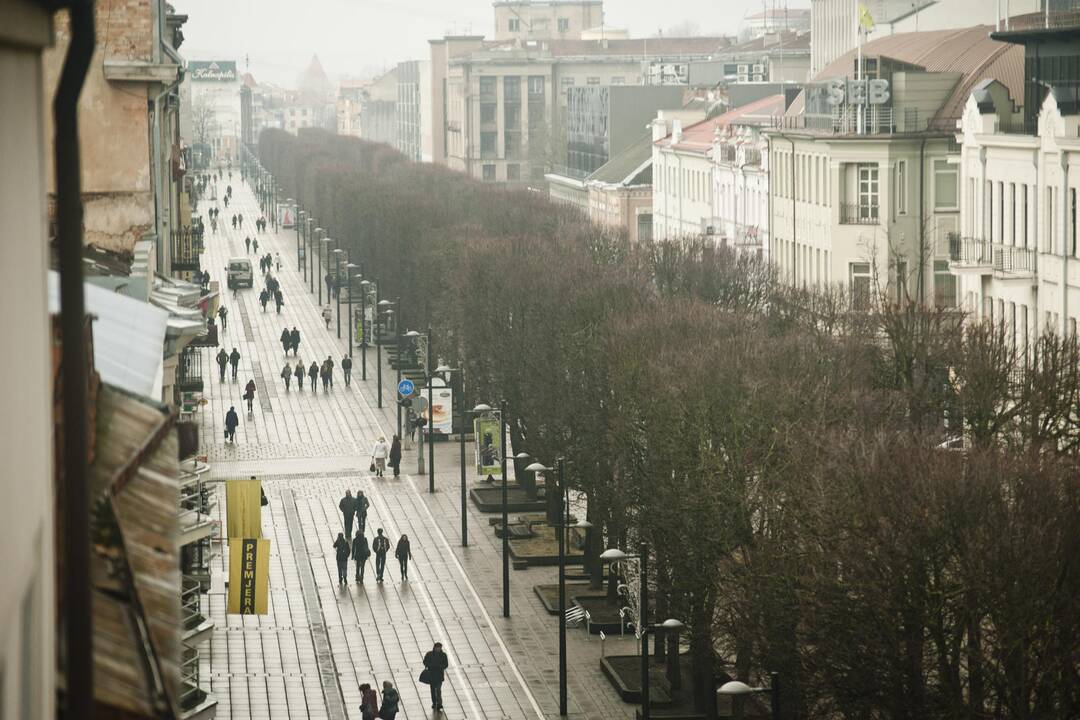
point(381, 450)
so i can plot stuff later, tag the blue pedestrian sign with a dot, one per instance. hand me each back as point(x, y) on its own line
point(405, 388)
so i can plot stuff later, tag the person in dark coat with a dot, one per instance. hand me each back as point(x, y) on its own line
point(223, 362)
point(313, 376)
point(231, 421)
point(234, 222)
point(341, 545)
point(249, 394)
point(223, 315)
point(299, 373)
point(286, 375)
point(361, 504)
point(360, 554)
point(369, 702)
point(279, 300)
point(404, 554)
point(391, 701)
point(247, 241)
point(234, 360)
point(255, 245)
point(395, 455)
point(324, 373)
point(348, 508)
point(346, 368)
point(295, 337)
point(330, 370)
point(436, 662)
point(264, 297)
point(286, 340)
point(380, 546)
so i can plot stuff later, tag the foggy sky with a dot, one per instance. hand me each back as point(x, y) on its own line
point(360, 37)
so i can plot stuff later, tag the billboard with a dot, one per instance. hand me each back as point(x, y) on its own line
point(442, 398)
point(212, 70)
point(249, 575)
point(243, 505)
point(486, 431)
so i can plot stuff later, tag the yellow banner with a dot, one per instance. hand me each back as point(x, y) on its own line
point(249, 575)
point(244, 508)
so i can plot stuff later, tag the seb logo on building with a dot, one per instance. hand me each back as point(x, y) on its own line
point(856, 92)
point(212, 70)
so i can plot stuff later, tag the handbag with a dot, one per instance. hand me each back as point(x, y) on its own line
point(425, 677)
point(226, 434)
point(372, 467)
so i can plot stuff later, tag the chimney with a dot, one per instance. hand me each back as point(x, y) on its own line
point(676, 131)
point(659, 126)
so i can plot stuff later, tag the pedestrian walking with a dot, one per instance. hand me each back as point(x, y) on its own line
point(403, 555)
point(286, 340)
point(234, 360)
point(341, 545)
point(223, 362)
point(223, 315)
point(277, 261)
point(240, 220)
point(286, 375)
point(329, 284)
point(361, 504)
point(395, 455)
point(380, 546)
point(279, 300)
point(324, 374)
point(313, 376)
point(326, 315)
point(231, 421)
point(347, 505)
point(234, 222)
point(346, 368)
point(330, 370)
point(249, 394)
point(360, 553)
point(391, 701)
point(226, 202)
point(264, 297)
point(378, 456)
point(435, 664)
point(369, 702)
point(295, 337)
point(299, 373)
point(247, 244)
point(255, 245)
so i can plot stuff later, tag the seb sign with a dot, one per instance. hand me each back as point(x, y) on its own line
point(856, 92)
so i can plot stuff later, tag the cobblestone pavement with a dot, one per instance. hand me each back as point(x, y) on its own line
point(307, 656)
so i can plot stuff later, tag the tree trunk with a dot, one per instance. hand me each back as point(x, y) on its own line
point(703, 660)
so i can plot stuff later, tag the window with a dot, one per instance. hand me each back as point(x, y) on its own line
point(512, 112)
point(564, 25)
point(487, 88)
point(536, 87)
point(868, 192)
point(487, 144)
point(592, 80)
point(901, 187)
point(860, 285)
point(489, 172)
point(944, 285)
point(487, 113)
point(1022, 211)
point(1072, 221)
point(566, 82)
point(618, 80)
point(512, 88)
point(513, 171)
point(644, 227)
point(945, 183)
point(514, 25)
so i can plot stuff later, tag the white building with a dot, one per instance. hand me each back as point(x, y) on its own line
point(215, 106)
point(685, 199)
point(1016, 255)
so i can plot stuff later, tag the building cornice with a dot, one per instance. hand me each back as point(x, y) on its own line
point(140, 71)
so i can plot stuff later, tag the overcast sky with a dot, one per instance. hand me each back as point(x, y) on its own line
point(360, 37)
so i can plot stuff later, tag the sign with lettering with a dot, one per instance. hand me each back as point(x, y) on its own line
point(249, 575)
point(212, 70)
point(857, 92)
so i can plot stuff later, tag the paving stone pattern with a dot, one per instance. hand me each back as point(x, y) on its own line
point(308, 447)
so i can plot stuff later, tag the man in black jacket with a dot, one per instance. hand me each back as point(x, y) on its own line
point(361, 503)
point(348, 507)
point(234, 360)
point(360, 554)
point(223, 362)
point(435, 664)
point(381, 546)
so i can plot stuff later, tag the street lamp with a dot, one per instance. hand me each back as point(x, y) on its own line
point(337, 283)
point(309, 260)
point(316, 243)
point(300, 221)
point(324, 260)
point(364, 285)
point(382, 309)
point(431, 415)
point(737, 688)
point(615, 555)
point(349, 267)
point(411, 334)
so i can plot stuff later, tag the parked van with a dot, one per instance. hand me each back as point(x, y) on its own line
point(240, 273)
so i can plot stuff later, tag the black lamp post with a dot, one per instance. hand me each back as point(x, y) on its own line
point(615, 555)
point(349, 267)
point(431, 415)
point(383, 308)
point(324, 249)
point(411, 334)
point(309, 259)
point(505, 521)
point(364, 285)
point(337, 283)
point(738, 688)
point(300, 220)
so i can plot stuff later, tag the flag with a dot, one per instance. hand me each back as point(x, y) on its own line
point(249, 576)
point(866, 20)
point(243, 508)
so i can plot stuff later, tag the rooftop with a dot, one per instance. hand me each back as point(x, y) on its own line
point(625, 167)
point(699, 136)
point(789, 40)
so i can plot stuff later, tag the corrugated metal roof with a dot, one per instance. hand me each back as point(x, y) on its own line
point(626, 164)
point(968, 51)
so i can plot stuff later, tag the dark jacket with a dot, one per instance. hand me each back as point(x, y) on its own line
point(402, 550)
point(299, 371)
point(234, 357)
point(249, 390)
point(222, 357)
point(313, 371)
point(436, 663)
point(390, 701)
point(395, 451)
point(295, 334)
point(360, 549)
point(286, 337)
point(231, 419)
point(346, 363)
point(286, 372)
point(342, 547)
point(362, 504)
point(381, 545)
point(347, 505)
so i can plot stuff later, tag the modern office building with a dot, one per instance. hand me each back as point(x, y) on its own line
point(413, 107)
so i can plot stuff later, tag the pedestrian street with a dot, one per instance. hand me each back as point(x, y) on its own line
point(307, 657)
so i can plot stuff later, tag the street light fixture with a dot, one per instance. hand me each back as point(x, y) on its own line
point(324, 249)
point(737, 688)
point(364, 285)
point(338, 252)
point(615, 555)
point(383, 308)
point(301, 222)
point(309, 260)
point(349, 267)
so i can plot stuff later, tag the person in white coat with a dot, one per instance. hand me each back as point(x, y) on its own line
point(378, 456)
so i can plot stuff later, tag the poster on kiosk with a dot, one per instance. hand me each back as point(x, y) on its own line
point(286, 215)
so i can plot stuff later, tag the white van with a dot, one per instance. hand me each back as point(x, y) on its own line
point(240, 273)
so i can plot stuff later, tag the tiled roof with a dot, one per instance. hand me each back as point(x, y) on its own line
point(699, 136)
point(968, 51)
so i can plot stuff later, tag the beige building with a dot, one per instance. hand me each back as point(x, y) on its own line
point(27, 595)
point(546, 19)
point(620, 191)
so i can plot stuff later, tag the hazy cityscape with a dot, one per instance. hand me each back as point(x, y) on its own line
point(529, 359)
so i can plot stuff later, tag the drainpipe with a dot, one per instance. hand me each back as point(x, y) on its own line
point(76, 619)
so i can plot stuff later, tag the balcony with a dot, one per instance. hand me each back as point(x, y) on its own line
point(189, 376)
point(969, 255)
point(186, 244)
point(195, 703)
point(858, 214)
point(1011, 262)
point(746, 236)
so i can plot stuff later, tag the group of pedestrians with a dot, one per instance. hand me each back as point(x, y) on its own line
point(260, 224)
point(250, 244)
point(225, 359)
point(358, 549)
point(268, 261)
point(436, 663)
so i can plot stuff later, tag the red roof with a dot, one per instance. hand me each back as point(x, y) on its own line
point(699, 136)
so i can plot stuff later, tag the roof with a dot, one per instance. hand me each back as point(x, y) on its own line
point(643, 47)
point(699, 136)
point(968, 51)
point(780, 13)
point(790, 41)
point(129, 337)
point(626, 165)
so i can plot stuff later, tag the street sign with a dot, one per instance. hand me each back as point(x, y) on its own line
point(405, 388)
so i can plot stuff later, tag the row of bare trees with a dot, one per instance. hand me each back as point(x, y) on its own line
point(881, 506)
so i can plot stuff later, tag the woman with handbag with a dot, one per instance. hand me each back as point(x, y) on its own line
point(378, 456)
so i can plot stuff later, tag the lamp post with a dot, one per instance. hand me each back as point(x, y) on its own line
point(300, 221)
point(382, 308)
point(505, 520)
point(615, 555)
point(738, 688)
point(337, 283)
point(431, 417)
point(364, 285)
point(349, 267)
point(324, 249)
point(309, 260)
point(315, 245)
point(411, 334)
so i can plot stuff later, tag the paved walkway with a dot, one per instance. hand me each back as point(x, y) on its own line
point(319, 641)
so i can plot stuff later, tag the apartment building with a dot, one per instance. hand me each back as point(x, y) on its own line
point(1015, 255)
point(378, 109)
point(546, 19)
point(779, 57)
point(413, 107)
point(865, 180)
point(619, 192)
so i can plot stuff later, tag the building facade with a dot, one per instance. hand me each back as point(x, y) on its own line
point(546, 19)
point(378, 109)
point(215, 106)
point(741, 186)
point(620, 191)
point(413, 107)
